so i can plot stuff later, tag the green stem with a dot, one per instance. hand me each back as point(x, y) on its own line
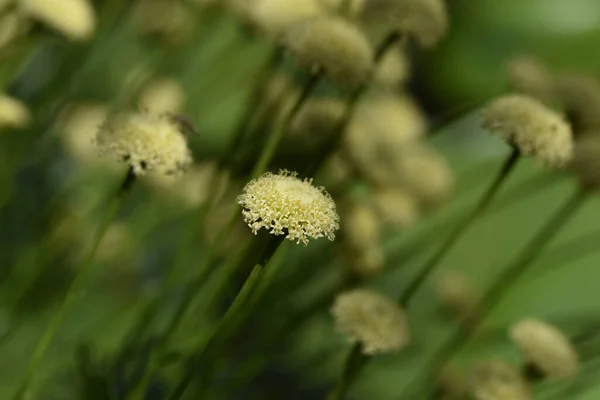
point(500, 286)
point(72, 291)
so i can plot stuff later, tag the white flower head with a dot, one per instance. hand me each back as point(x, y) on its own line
point(371, 319)
point(530, 126)
point(287, 205)
point(147, 142)
point(73, 18)
point(497, 380)
point(547, 348)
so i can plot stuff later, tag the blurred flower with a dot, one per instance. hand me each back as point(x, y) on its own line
point(531, 127)
point(496, 380)
point(73, 18)
point(580, 95)
point(586, 161)
point(546, 348)
point(528, 76)
point(12, 25)
point(335, 45)
point(354, 7)
point(273, 17)
point(13, 113)
point(147, 142)
point(337, 171)
point(425, 20)
point(393, 70)
point(287, 205)
point(162, 95)
point(169, 20)
point(361, 246)
point(457, 292)
point(396, 207)
point(371, 319)
point(317, 121)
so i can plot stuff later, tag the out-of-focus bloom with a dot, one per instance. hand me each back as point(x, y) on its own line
point(286, 205)
point(546, 348)
point(273, 17)
point(371, 319)
point(384, 125)
point(73, 18)
point(12, 25)
point(146, 142)
point(393, 70)
point(191, 189)
point(531, 127)
point(333, 44)
point(360, 225)
point(364, 262)
point(528, 76)
point(425, 20)
point(586, 161)
point(169, 20)
point(337, 170)
point(580, 95)
point(457, 292)
point(316, 122)
point(496, 380)
point(396, 207)
point(13, 113)
point(451, 384)
point(162, 95)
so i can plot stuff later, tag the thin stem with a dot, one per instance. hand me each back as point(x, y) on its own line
point(460, 229)
point(500, 286)
point(72, 291)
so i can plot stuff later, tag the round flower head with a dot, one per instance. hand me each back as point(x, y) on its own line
point(496, 380)
point(425, 20)
point(287, 205)
point(393, 70)
point(396, 207)
point(73, 18)
point(354, 8)
point(531, 127)
point(13, 25)
point(457, 292)
point(580, 95)
point(371, 319)
point(168, 20)
point(13, 113)
point(586, 161)
point(162, 95)
point(546, 348)
point(273, 17)
point(360, 225)
point(147, 142)
point(364, 262)
point(335, 45)
point(528, 76)
point(316, 122)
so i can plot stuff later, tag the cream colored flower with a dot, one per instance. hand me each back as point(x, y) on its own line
point(170, 20)
point(333, 44)
point(528, 76)
point(78, 126)
point(360, 225)
point(12, 26)
point(393, 70)
point(162, 95)
point(496, 380)
point(365, 261)
point(316, 122)
point(273, 17)
point(546, 347)
point(586, 161)
point(13, 113)
point(457, 292)
point(147, 142)
point(580, 95)
point(531, 127)
point(396, 207)
point(73, 18)
point(371, 319)
point(286, 205)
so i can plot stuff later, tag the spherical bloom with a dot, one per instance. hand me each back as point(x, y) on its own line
point(580, 95)
point(162, 95)
point(13, 113)
point(360, 225)
point(12, 26)
point(287, 205)
point(335, 45)
point(586, 162)
point(73, 18)
point(146, 142)
point(457, 292)
point(393, 70)
point(528, 76)
point(337, 171)
point(425, 20)
point(168, 20)
point(496, 380)
point(354, 7)
point(316, 122)
point(273, 17)
point(365, 261)
point(371, 319)
point(531, 127)
point(396, 207)
point(546, 348)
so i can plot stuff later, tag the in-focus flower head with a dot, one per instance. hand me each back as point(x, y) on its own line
point(333, 44)
point(273, 17)
point(371, 319)
point(531, 127)
point(286, 205)
point(546, 348)
point(73, 18)
point(497, 380)
point(144, 141)
point(586, 161)
point(13, 113)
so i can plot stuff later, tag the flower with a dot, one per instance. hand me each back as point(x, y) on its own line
point(73, 18)
point(580, 95)
point(528, 76)
point(361, 227)
point(13, 113)
point(316, 122)
point(546, 348)
point(396, 207)
point(372, 320)
point(162, 95)
point(497, 380)
point(586, 162)
point(287, 205)
point(147, 142)
point(393, 70)
point(531, 127)
point(457, 292)
point(274, 16)
point(333, 44)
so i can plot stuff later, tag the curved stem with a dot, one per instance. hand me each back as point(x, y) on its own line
point(57, 318)
point(500, 286)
